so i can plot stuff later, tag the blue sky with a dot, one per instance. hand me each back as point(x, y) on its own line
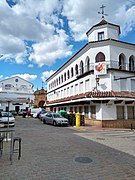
point(38, 36)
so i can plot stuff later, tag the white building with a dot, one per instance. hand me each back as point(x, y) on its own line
point(16, 91)
point(98, 81)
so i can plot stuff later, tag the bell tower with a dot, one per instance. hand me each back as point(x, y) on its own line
point(103, 30)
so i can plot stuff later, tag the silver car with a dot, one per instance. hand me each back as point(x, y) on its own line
point(55, 119)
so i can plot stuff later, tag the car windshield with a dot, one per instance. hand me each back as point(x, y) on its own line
point(57, 116)
point(5, 114)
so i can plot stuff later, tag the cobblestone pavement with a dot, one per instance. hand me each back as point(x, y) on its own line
point(120, 139)
point(68, 153)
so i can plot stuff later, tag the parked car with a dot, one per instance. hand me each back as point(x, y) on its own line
point(7, 118)
point(35, 111)
point(54, 119)
point(41, 114)
point(13, 112)
point(22, 112)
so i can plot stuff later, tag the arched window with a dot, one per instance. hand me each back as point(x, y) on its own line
point(68, 75)
point(87, 64)
point(81, 67)
point(52, 84)
point(72, 72)
point(76, 69)
point(64, 76)
point(131, 64)
point(23, 87)
point(57, 81)
point(121, 61)
point(100, 57)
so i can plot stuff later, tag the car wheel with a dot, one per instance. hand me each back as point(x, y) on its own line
point(54, 123)
point(44, 121)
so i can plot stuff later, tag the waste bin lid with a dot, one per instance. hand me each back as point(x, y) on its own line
point(62, 112)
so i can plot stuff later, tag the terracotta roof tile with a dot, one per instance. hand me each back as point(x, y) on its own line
point(94, 94)
point(103, 22)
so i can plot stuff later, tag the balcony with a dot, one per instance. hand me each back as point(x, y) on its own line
point(109, 65)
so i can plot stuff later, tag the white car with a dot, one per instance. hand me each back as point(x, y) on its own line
point(35, 111)
point(6, 119)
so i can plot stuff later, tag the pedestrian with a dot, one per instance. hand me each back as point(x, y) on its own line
point(28, 112)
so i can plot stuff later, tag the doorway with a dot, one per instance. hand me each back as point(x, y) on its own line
point(17, 108)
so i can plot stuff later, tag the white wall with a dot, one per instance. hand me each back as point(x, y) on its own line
point(116, 50)
point(109, 112)
point(108, 33)
point(16, 92)
point(16, 84)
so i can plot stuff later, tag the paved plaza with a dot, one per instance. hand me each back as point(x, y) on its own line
point(70, 153)
point(120, 139)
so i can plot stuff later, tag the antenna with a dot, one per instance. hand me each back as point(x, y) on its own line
point(102, 11)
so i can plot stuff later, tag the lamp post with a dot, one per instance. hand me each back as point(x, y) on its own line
point(97, 81)
point(8, 112)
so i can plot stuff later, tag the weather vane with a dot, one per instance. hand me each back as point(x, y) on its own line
point(102, 11)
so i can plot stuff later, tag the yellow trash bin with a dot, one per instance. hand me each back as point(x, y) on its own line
point(77, 115)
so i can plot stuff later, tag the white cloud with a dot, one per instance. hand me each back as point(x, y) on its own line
point(39, 24)
point(1, 76)
point(30, 65)
point(47, 52)
point(125, 17)
point(27, 77)
point(26, 21)
point(82, 15)
point(46, 75)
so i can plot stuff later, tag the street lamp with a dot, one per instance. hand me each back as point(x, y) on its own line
point(97, 81)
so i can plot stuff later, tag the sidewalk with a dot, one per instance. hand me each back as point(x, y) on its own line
point(116, 138)
point(97, 128)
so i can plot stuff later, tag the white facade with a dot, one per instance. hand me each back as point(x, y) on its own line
point(74, 86)
point(17, 91)
point(103, 30)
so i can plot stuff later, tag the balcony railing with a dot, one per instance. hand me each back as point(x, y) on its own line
point(109, 65)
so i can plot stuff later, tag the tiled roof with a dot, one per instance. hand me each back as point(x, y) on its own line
point(103, 22)
point(95, 94)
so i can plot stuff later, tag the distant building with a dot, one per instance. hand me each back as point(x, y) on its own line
point(40, 98)
point(98, 81)
point(18, 92)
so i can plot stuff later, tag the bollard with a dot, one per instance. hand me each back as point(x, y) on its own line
point(77, 119)
point(131, 127)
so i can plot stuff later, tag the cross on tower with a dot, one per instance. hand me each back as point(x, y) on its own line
point(102, 11)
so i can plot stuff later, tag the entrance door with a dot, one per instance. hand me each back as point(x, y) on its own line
point(17, 108)
point(120, 112)
point(130, 111)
